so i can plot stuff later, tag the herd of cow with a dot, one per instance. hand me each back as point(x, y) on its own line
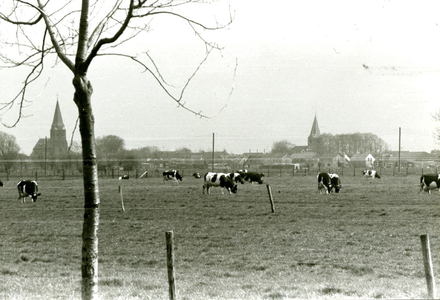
point(226, 181)
point(327, 182)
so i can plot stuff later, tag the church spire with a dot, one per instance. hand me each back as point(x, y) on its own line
point(315, 132)
point(57, 119)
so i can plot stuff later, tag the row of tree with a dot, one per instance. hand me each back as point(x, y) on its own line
point(110, 149)
point(350, 143)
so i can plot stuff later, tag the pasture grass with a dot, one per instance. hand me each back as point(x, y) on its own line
point(361, 243)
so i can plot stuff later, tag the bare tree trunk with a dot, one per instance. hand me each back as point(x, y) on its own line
point(89, 265)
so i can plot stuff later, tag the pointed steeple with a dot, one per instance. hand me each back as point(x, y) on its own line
point(315, 132)
point(57, 123)
point(314, 139)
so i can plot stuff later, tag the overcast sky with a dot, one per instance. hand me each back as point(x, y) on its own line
point(360, 66)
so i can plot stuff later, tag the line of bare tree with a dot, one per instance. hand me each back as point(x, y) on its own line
point(349, 144)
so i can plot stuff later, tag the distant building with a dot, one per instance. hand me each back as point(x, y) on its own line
point(55, 147)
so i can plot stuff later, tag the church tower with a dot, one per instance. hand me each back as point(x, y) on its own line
point(313, 140)
point(58, 141)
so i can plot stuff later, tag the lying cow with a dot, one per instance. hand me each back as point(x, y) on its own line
point(172, 175)
point(324, 183)
point(222, 180)
point(370, 173)
point(429, 182)
point(125, 177)
point(252, 176)
point(28, 188)
point(335, 182)
point(196, 175)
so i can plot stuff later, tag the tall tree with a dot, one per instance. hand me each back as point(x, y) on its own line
point(8, 151)
point(76, 32)
point(110, 148)
point(281, 147)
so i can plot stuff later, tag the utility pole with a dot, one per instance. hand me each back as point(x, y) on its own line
point(400, 136)
point(213, 138)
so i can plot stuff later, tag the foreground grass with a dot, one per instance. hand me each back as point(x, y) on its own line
point(362, 243)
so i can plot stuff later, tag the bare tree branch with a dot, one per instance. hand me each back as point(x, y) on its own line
point(104, 41)
point(54, 41)
point(31, 77)
point(99, 28)
point(179, 99)
point(38, 18)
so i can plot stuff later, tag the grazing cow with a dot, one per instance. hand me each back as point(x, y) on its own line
point(370, 173)
point(236, 177)
point(429, 182)
point(222, 180)
point(324, 183)
point(335, 182)
point(252, 176)
point(172, 175)
point(28, 188)
point(196, 175)
point(124, 177)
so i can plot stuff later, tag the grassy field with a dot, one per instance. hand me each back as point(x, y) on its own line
point(361, 243)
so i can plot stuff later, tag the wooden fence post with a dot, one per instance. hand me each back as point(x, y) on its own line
point(170, 264)
point(269, 191)
point(428, 266)
point(122, 198)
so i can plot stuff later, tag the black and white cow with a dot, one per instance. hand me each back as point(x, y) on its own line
point(196, 175)
point(222, 180)
point(251, 176)
point(324, 183)
point(125, 177)
point(28, 188)
point(429, 182)
point(1, 183)
point(236, 177)
point(370, 173)
point(335, 182)
point(172, 175)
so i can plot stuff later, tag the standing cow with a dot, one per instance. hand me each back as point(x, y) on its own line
point(251, 176)
point(1, 183)
point(335, 182)
point(370, 173)
point(324, 183)
point(236, 177)
point(172, 175)
point(28, 188)
point(429, 182)
point(221, 180)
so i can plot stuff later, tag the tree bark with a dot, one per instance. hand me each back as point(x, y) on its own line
point(89, 265)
